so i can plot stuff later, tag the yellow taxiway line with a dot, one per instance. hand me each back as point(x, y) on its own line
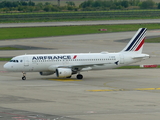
point(135, 89)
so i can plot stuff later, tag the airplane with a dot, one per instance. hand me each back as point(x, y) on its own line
point(66, 65)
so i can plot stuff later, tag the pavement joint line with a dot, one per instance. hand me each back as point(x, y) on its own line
point(111, 90)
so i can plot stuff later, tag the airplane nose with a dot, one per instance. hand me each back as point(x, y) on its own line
point(6, 66)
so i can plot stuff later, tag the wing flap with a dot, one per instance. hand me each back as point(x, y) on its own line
point(82, 66)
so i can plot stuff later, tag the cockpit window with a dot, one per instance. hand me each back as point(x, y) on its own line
point(14, 61)
point(11, 60)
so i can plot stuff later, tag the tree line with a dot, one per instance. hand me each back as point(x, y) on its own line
point(89, 5)
point(118, 4)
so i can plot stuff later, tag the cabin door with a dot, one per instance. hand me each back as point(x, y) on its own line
point(121, 59)
point(26, 61)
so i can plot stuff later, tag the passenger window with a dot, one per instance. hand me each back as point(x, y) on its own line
point(21, 61)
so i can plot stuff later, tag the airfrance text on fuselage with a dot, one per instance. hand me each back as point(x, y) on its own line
point(50, 57)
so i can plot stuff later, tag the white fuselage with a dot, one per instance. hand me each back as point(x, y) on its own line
point(50, 62)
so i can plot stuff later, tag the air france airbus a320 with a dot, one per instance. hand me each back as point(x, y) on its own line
point(65, 65)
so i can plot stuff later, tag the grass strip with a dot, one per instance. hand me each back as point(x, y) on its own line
point(129, 67)
point(33, 32)
point(10, 48)
point(5, 59)
point(134, 67)
point(75, 12)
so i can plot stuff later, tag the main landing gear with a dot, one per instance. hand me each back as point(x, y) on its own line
point(79, 76)
point(24, 76)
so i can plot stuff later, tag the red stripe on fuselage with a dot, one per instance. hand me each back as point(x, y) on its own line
point(140, 45)
point(75, 57)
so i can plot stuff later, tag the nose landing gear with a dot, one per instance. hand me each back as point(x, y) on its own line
point(24, 76)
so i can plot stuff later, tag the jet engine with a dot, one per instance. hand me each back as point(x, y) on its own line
point(46, 73)
point(63, 72)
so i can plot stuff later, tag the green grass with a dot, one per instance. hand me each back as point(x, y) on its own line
point(32, 32)
point(134, 67)
point(129, 67)
point(5, 59)
point(75, 12)
point(9, 48)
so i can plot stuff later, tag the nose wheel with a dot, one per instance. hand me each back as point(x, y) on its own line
point(24, 76)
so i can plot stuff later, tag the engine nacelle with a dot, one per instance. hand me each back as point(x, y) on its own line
point(63, 72)
point(46, 73)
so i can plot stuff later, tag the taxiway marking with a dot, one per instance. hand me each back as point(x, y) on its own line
point(135, 89)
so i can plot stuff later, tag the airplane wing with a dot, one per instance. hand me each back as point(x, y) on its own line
point(81, 67)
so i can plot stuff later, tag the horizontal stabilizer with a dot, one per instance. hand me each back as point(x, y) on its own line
point(141, 56)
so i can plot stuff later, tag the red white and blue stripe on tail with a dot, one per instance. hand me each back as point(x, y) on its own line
point(137, 42)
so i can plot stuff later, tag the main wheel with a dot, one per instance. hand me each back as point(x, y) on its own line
point(24, 78)
point(79, 76)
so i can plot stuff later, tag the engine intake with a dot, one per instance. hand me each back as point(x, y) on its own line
point(63, 72)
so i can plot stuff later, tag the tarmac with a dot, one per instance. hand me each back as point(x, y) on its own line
point(116, 94)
